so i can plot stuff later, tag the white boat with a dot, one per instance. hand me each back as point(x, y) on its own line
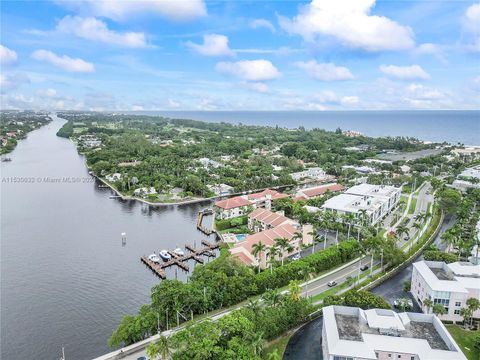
point(179, 252)
point(165, 255)
point(154, 257)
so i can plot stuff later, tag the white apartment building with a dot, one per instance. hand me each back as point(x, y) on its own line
point(315, 173)
point(372, 202)
point(350, 333)
point(447, 284)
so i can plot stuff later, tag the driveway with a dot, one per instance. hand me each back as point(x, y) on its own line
point(306, 343)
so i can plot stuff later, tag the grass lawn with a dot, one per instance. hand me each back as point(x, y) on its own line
point(464, 339)
point(278, 345)
point(413, 205)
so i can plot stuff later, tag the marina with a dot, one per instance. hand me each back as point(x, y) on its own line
point(176, 260)
point(200, 226)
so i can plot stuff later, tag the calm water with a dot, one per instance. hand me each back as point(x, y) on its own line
point(438, 126)
point(65, 277)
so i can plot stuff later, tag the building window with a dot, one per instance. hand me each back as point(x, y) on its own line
point(457, 312)
point(399, 356)
point(412, 357)
point(458, 303)
point(389, 355)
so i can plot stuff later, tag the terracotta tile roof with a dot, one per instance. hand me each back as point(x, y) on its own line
point(322, 190)
point(232, 203)
point(268, 237)
point(268, 217)
point(273, 193)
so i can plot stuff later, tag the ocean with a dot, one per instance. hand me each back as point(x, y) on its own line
point(437, 126)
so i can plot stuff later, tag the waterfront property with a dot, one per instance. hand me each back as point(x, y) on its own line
point(264, 219)
point(318, 191)
point(447, 284)
point(290, 231)
point(241, 205)
point(221, 189)
point(355, 334)
point(468, 179)
point(368, 203)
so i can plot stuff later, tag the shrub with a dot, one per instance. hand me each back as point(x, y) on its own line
point(362, 299)
point(432, 255)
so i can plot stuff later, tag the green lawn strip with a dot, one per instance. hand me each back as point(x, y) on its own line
point(464, 339)
point(413, 205)
point(431, 228)
point(278, 345)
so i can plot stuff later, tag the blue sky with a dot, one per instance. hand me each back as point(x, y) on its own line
point(242, 55)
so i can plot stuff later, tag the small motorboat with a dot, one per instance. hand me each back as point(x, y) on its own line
point(165, 255)
point(6, 159)
point(179, 252)
point(154, 257)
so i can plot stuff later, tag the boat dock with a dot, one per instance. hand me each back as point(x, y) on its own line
point(180, 261)
point(200, 226)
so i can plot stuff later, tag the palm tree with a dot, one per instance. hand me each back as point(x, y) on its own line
point(162, 347)
point(272, 253)
point(315, 238)
point(307, 273)
point(428, 303)
point(256, 342)
point(473, 305)
point(401, 230)
point(466, 313)
point(272, 297)
point(439, 309)
point(254, 307)
point(417, 226)
point(284, 245)
point(363, 215)
point(350, 220)
point(259, 248)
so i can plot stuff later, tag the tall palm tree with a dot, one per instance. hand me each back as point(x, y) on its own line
point(350, 220)
point(439, 309)
point(295, 290)
point(162, 347)
point(428, 303)
point(473, 305)
point(272, 297)
point(417, 226)
point(306, 273)
point(258, 249)
point(284, 246)
point(466, 313)
point(272, 253)
point(363, 216)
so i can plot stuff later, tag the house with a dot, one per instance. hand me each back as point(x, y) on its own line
point(263, 219)
point(233, 207)
point(265, 198)
point(292, 232)
point(468, 179)
point(447, 284)
point(130, 163)
point(221, 189)
point(317, 191)
point(380, 334)
point(405, 169)
point(113, 177)
point(209, 163)
point(144, 191)
point(11, 134)
point(352, 133)
point(368, 203)
point(314, 173)
point(467, 154)
point(360, 169)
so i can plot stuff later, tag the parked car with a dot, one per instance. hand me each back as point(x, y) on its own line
point(331, 283)
point(364, 267)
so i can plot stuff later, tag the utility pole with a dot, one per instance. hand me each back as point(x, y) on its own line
point(167, 319)
point(158, 323)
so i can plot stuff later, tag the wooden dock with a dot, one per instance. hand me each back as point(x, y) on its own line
point(180, 261)
point(200, 226)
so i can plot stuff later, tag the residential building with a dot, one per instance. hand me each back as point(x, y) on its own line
point(468, 179)
point(293, 232)
point(447, 284)
point(468, 153)
point(317, 191)
point(262, 219)
point(113, 177)
point(221, 189)
point(361, 169)
point(144, 191)
point(265, 198)
point(368, 203)
point(209, 163)
point(314, 173)
point(350, 333)
point(233, 207)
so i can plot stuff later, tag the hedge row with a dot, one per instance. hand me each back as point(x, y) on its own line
point(316, 263)
point(433, 255)
point(231, 223)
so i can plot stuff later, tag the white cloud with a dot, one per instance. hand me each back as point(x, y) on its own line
point(65, 62)
point(7, 56)
point(262, 23)
point(48, 93)
point(349, 100)
point(256, 86)
point(173, 104)
point(421, 92)
point(325, 71)
point(213, 45)
point(412, 72)
point(326, 96)
point(93, 29)
point(350, 22)
point(430, 49)
point(178, 10)
point(12, 81)
point(471, 21)
point(249, 70)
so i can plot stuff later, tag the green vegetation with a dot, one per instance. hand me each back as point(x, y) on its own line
point(237, 225)
point(433, 255)
point(15, 125)
point(467, 340)
point(413, 205)
point(276, 348)
point(221, 283)
point(169, 151)
point(361, 299)
point(242, 333)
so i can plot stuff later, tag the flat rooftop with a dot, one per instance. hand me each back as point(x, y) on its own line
point(441, 274)
point(350, 328)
